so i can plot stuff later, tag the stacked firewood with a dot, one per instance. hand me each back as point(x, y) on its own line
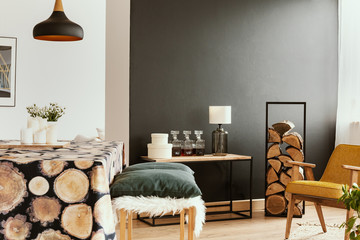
point(278, 173)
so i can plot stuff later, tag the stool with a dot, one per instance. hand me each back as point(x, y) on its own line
point(124, 214)
point(158, 189)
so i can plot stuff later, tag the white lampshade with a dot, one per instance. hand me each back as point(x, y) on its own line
point(220, 114)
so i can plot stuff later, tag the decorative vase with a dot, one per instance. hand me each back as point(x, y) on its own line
point(42, 123)
point(51, 132)
point(33, 123)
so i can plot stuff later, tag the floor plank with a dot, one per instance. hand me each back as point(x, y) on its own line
point(259, 227)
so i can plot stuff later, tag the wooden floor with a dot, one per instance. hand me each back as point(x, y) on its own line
point(259, 227)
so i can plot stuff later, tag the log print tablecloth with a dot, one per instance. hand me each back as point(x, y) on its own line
point(58, 194)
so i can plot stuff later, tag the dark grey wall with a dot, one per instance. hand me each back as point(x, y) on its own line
point(189, 54)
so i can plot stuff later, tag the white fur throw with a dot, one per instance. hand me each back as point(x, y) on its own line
point(156, 206)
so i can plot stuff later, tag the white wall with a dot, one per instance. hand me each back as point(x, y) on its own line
point(117, 70)
point(70, 73)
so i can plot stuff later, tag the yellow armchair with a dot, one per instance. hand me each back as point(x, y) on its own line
point(327, 191)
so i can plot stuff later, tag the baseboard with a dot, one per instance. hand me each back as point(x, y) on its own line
point(257, 204)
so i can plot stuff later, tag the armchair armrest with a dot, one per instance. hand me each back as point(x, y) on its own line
point(302, 164)
point(353, 174)
point(307, 167)
point(349, 167)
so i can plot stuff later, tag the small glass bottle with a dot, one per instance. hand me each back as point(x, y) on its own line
point(199, 144)
point(194, 146)
point(187, 144)
point(176, 148)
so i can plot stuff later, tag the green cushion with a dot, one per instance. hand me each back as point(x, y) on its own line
point(155, 182)
point(161, 165)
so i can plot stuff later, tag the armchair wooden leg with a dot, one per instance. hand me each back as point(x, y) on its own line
point(349, 214)
point(290, 214)
point(191, 224)
point(129, 227)
point(321, 216)
point(182, 224)
point(122, 214)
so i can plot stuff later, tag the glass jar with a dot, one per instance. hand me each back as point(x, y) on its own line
point(187, 144)
point(176, 148)
point(199, 144)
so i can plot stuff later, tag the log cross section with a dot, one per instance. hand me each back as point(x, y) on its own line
point(284, 145)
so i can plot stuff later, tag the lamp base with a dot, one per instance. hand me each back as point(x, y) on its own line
point(219, 154)
point(219, 142)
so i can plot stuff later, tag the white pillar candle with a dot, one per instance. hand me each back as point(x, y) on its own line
point(26, 135)
point(40, 136)
point(33, 123)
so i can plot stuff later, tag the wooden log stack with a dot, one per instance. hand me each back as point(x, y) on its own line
point(278, 173)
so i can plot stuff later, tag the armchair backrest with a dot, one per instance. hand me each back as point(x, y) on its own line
point(343, 154)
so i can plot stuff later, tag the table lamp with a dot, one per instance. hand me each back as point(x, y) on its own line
point(219, 115)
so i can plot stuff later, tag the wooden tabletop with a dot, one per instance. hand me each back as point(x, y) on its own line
point(18, 144)
point(205, 158)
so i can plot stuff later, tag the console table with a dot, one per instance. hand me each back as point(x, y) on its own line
point(230, 158)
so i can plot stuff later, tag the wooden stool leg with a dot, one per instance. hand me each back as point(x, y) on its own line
point(349, 214)
point(182, 224)
point(122, 223)
point(192, 213)
point(289, 215)
point(321, 216)
point(129, 231)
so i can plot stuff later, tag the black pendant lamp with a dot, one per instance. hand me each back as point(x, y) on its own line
point(58, 27)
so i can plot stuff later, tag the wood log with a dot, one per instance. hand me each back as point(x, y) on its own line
point(298, 175)
point(45, 210)
point(274, 136)
point(275, 163)
point(26, 160)
point(83, 164)
point(52, 168)
point(99, 181)
point(284, 158)
point(16, 227)
point(274, 150)
point(99, 235)
point(71, 186)
point(39, 186)
point(294, 139)
point(51, 234)
point(274, 188)
point(284, 178)
point(295, 154)
point(283, 127)
point(12, 187)
point(103, 214)
point(275, 204)
point(271, 176)
point(77, 220)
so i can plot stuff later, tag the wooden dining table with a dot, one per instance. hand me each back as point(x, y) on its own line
point(58, 193)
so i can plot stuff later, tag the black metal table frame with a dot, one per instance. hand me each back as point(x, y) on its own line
point(266, 143)
point(241, 214)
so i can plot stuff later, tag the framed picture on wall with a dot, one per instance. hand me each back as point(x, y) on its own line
point(7, 71)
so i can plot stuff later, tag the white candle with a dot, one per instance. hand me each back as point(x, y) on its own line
point(40, 136)
point(33, 123)
point(26, 135)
